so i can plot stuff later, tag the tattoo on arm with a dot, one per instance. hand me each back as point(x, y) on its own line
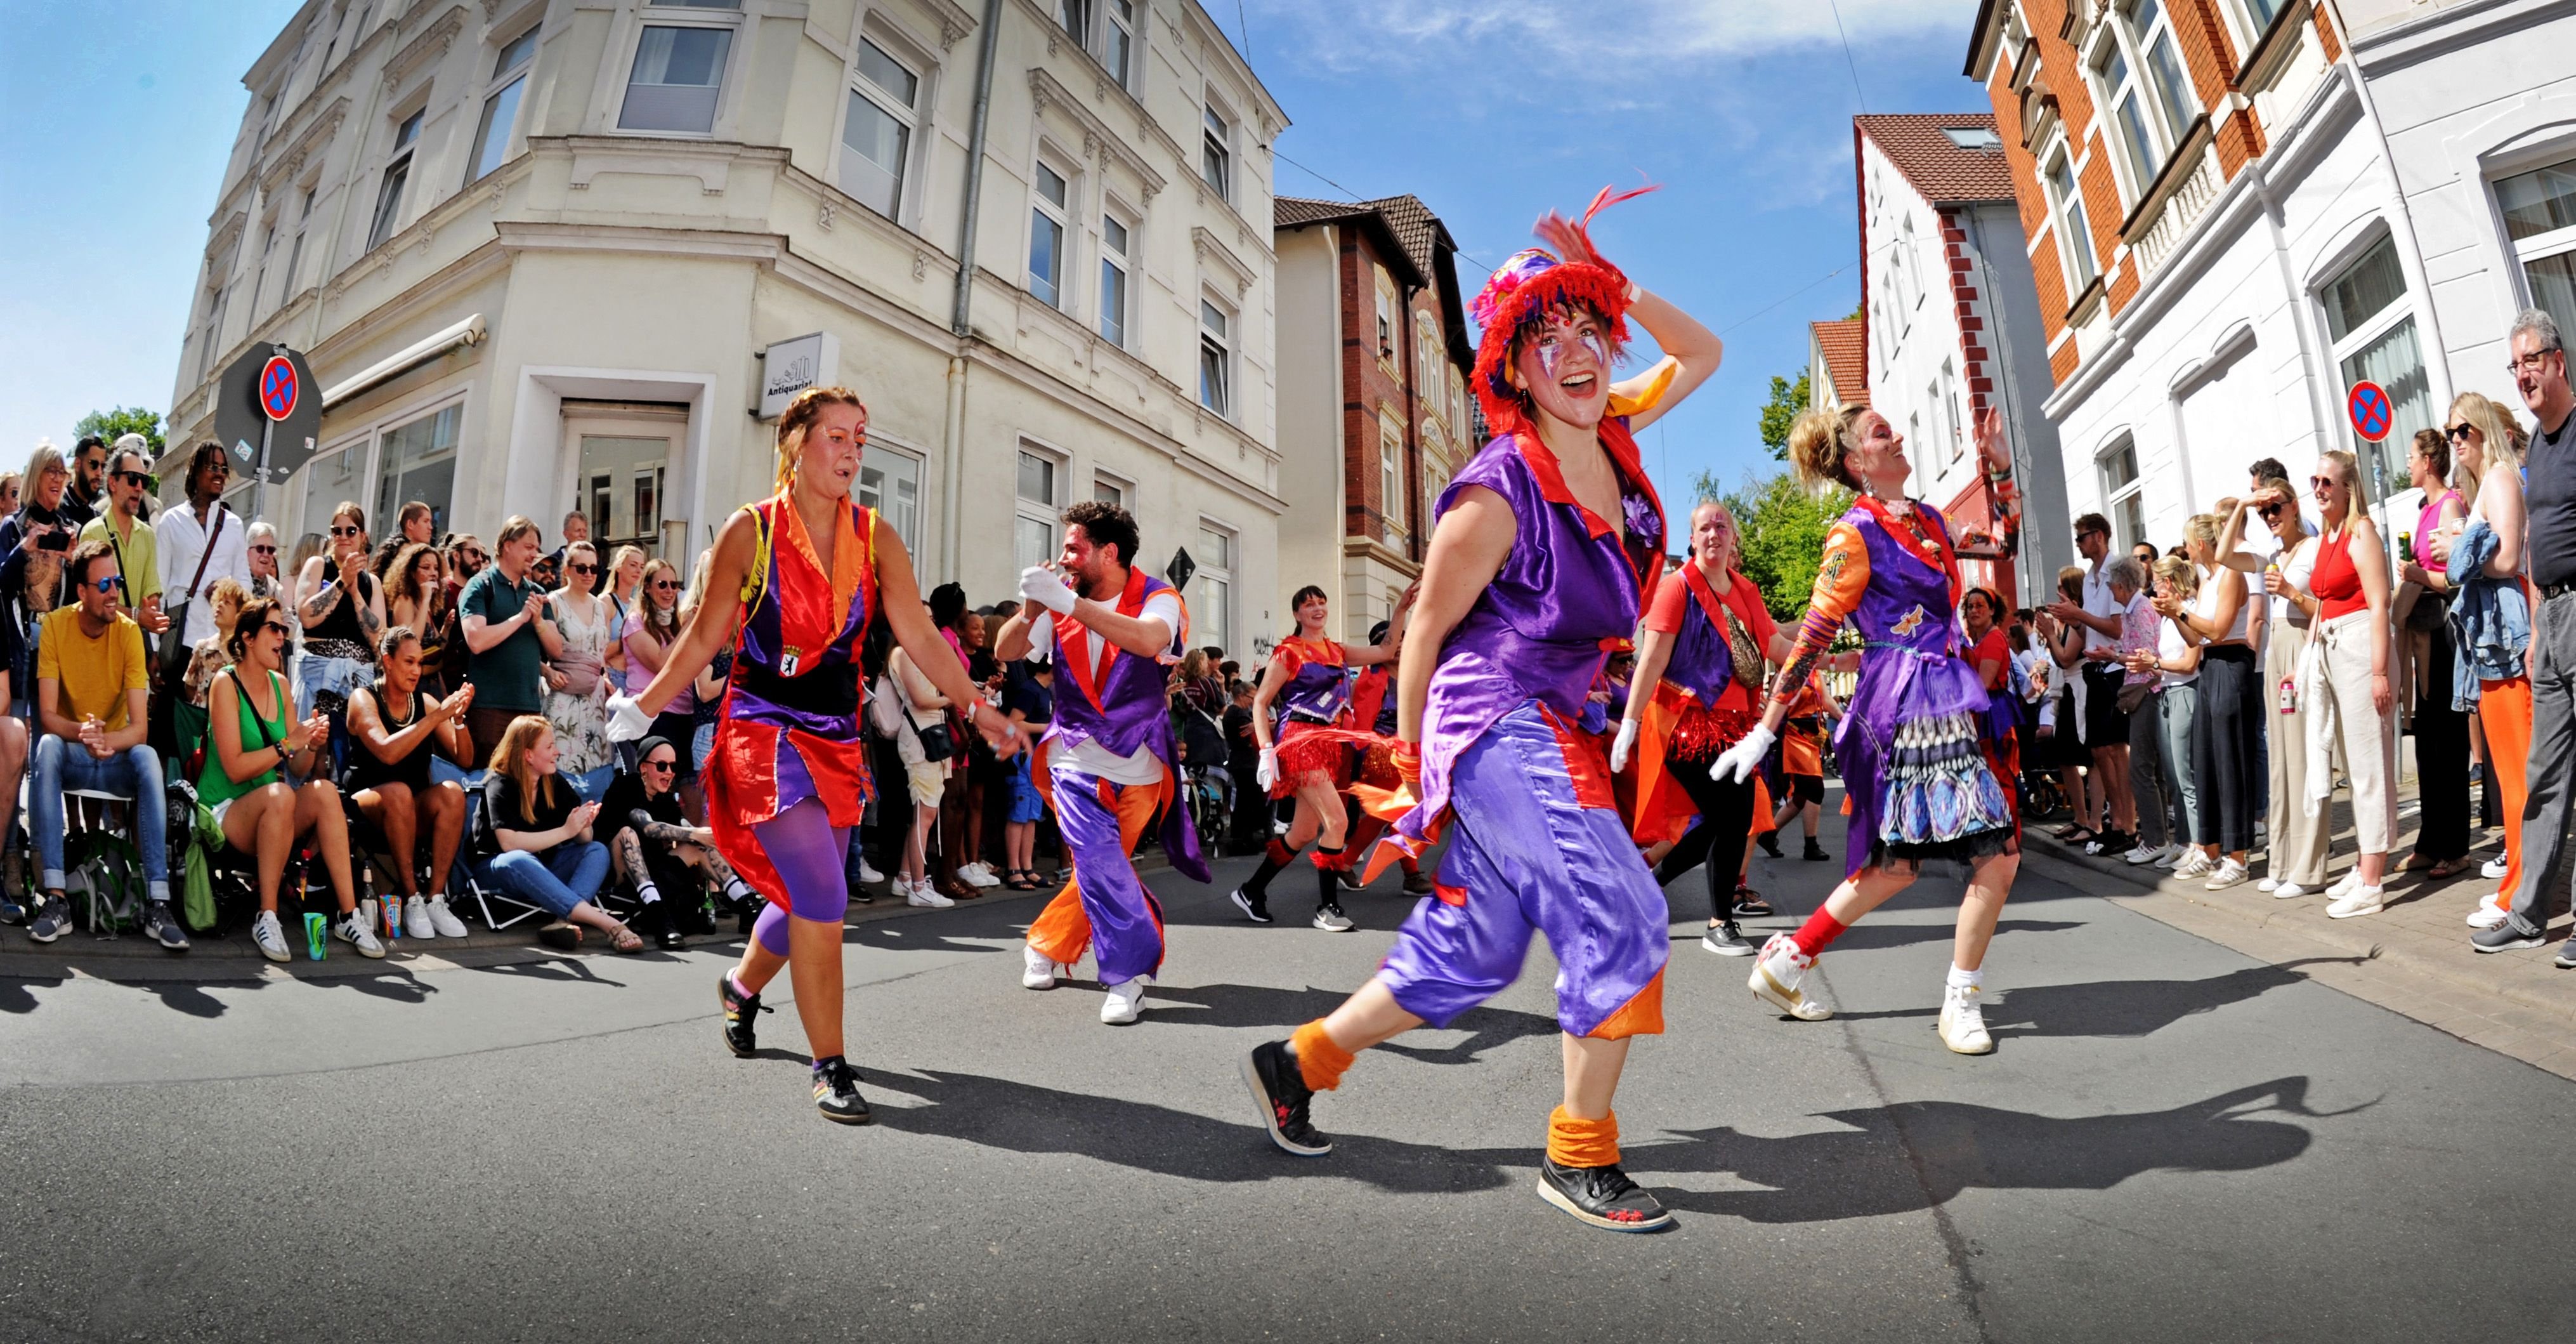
point(630, 858)
point(665, 832)
point(1795, 674)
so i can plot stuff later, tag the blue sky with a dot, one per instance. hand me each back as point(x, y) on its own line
point(1489, 112)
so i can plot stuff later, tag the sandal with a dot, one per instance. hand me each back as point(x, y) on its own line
point(1021, 879)
point(2418, 863)
point(956, 890)
point(625, 940)
point(2446, 869)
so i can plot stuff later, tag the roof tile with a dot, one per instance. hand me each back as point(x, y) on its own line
point(1937, 166)
point(1846, 346)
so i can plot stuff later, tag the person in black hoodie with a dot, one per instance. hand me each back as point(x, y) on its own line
point(654, 847)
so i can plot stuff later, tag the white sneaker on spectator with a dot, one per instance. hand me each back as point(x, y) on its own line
point(442, 920)
point(416, 919)
point(2491, 911)
point(2492, 868)
point(2229, 873)
point(2194, 864)
point(2174, 855)
point(352, 928)
point(924, 894)
point(2144, 853)
point(2359, 901)
point(2343, 885)
point(2267, 884)
point(1039, 972)
point(1126, 1000)
point(869, 876)
point(270, 936)
point(2288, 891)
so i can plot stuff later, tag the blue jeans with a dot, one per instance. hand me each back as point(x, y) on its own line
point(557, 880)
point(134, 772)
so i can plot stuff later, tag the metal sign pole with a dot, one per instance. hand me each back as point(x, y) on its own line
point(259, 483)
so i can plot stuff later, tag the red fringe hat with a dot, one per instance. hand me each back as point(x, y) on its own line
point(1523, 291)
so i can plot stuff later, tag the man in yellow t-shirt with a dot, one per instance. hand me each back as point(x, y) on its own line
point(90, 696)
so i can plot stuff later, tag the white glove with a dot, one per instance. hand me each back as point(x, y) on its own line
point(1621, 745)
point(1045, 587)
point(627, 721)
point(1737, 763)
point(1268, 772)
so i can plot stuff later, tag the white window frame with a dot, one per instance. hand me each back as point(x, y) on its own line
point(2539, 246)
point(2134, 166)
point(1132, 27)
point(219, 285)
point(1047, 513)
point(1124, 262)
point(303, 225)
point(1223, 345)
point(1395, 512)
point(1951, 412)
point(913, 119)
point(2386, 457)
point(392, 197)
point(2176, 108)
point(2066, 213)
point(267, 250)
point(654, 15)
point(879, 450)
point(1111, 488)
point(1216, 148)
point(1217, 630)
point(1390, 326)
point(1062, 214)
point(2247, 26)
point(1908, 274)
point(2123, 502)
point(495, 88)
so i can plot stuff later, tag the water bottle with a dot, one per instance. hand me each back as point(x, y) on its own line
point(2289, 699)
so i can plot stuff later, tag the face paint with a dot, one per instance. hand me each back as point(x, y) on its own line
point(1549, 352)
point(1600, 349)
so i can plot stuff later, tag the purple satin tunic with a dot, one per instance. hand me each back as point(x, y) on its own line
point(1126, 712)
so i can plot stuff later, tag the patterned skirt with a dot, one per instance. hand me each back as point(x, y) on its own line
point(1943, 800)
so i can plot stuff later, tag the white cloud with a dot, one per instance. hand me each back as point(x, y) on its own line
point(1358, 33)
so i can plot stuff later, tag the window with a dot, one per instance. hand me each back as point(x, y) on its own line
point(2259, 15)
point(389, 196)
point(2119, 91)
point(1216, 154)
point(1215, 360)
point(1212, 610)
point(295, 253)
point(219, 277)
point(1118, 42)
point(419, 462)
point(1075, 15)
point(700, 4)
point(1950, 410)
point(1109, 490)
point(1114, 242)
point(890, 483)
point(501, 108)
point(259, 281)
point(2153, 40)
point(2120, 494)
point(1033, 531)
point(2373, 330)
point(333, 476)
point(2073, 232)
point(1973, 137)
point(678, 74)
point(1386, 319)
point(1390, 481)
point(1046, 237)
point(878, 132)
point(2540, 217)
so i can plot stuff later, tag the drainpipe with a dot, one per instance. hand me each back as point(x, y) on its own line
point(953, 439)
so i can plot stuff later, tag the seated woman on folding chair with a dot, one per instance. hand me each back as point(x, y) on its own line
point(254, 740)
point(533, 842)
point(395, 727)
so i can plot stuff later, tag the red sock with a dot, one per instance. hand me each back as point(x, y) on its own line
point(1818, 933)
point(1279, 852)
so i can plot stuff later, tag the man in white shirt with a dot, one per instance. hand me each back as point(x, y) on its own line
point(183, 531)
point(1106, 764)
point(2106, 729)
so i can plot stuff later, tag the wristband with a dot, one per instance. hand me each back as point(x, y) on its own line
point(1408, 761)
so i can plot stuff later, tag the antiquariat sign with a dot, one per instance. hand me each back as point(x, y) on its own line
point(790, 366)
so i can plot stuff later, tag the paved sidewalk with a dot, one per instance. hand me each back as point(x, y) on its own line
point(2414, 955)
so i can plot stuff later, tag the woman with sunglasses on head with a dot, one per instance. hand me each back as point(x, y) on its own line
point(416, 599)
point(2353, 696)
point(2295, 840)
point(395, 727)
point(576, 634)
point(253, 744)
point(342, 607)
point(797, 579)
point(2441, 730)
point(2481, 564)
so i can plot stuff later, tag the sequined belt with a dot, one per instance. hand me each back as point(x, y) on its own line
point(327, 647)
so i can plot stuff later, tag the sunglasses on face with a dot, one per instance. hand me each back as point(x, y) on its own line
point(263, 550)
point(2459, 433)
point(659, 765)
point(2323, 482)
point(582, 569)
point(112, 583)
point(278, 628)
point(2269, 511)
point(665, 586)
point(133, 478)
point(338, 531)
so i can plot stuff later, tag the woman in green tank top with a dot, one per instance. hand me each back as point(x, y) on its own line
point(252, 742)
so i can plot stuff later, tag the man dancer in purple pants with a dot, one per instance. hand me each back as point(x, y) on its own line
point(1106, 764)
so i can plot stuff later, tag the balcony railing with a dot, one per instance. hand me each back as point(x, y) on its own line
point(2181, 194)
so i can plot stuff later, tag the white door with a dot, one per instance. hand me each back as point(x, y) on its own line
point(626, 461)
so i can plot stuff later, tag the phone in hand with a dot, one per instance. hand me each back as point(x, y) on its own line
point(60, 539)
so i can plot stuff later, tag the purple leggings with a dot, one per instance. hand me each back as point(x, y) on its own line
point(808, 853)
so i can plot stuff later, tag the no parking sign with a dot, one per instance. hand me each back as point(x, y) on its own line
point(2371, 410)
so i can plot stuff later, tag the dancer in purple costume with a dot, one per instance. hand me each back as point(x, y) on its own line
point(1920, 758)
point(1544, 549)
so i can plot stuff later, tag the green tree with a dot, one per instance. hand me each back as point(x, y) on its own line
point(109, 424)
point(1788, 401)
point(1783, 535)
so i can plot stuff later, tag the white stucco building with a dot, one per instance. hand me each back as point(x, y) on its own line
point(633, 199)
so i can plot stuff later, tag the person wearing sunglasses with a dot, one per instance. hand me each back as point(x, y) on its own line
point(129, 538)
point(797, 580)
point(663, 859)
point(2283, 556)
point(576, 633)
point(91, 708)
point(650, 631)
point(396, 727)
point(2352, 688)
point(2491, 622)
point(2441, 729)
point(261, 549)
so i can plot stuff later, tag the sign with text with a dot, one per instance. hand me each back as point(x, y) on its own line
point(790, 366)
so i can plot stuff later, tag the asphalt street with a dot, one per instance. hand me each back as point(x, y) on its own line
point(2172, 1142)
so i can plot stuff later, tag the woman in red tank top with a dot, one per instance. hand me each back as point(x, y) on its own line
point(2349, 691)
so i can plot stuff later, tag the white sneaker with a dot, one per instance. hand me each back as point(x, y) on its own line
point(1125, 1001)
point(1778, 972)
point(2491, 912)
point(2267, 884)
point(2194, 864)
point(2343, 885)
point(869, 876)
point(442, 920)
point(416, 919)
point(1963, 1021)
point(926, 895)
point(2288, 891)
point(2229, 873)
point(352, 928)
point(270, 936)
point(2144, 853)
point(977, 875)
point(2360, 901)
point(2492, 868)
point(1039, 972)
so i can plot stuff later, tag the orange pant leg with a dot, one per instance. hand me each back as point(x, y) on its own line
point(1062, 931)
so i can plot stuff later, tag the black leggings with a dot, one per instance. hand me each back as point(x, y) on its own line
point(2222, 750)
point(1725, 823)
point(2441, 758)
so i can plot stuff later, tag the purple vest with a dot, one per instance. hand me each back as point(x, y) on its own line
point(1124, 709)
point(1317, 692)
point(1538, 631)
point(1910, 668)
point(1701, 662)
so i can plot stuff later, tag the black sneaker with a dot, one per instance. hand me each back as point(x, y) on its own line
point(1351, 881)
point(1254, 905)
point(11, 912)
point(1417, 883)
point(1770, 842)
point(2110, 842)
point(1280, 1090)
point(1726, 940)
point(1750, 905)
point(742, 1017)
point(52, 917)
point(1815, 852)
point(1603, 1197)
point(2505, 937)
point(836, 1094)
point(161, 927)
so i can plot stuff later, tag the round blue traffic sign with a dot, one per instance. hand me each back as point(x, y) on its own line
point(2371, 410)
point(278, 388)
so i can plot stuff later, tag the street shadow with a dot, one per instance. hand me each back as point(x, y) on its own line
point(1871, 936)
point(1268, 1006)
point(914, 935)
point(2123, 1008)
point(1861, 1169)
point(17, 992)
point(560, 970)
point(392, 984)
point(1915, 1155)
